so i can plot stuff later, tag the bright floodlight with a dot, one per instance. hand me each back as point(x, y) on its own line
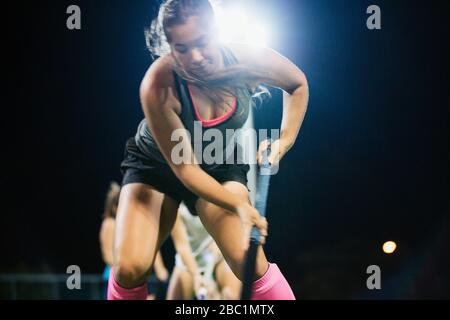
point(236, 26)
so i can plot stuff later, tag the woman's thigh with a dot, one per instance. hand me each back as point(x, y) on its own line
point(225, 228)
point(144, 219)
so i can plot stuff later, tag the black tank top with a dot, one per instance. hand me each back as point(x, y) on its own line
point(233, 119)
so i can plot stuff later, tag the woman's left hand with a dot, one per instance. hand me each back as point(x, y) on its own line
point(162, 274)
point(278, 149)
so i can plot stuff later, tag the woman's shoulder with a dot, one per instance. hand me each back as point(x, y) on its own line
point(159, 78)
point(160, 73)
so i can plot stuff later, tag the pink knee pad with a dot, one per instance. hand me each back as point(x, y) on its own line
point(272, 286)
point(116, 292)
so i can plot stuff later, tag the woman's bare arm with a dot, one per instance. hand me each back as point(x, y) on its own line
point(160, 269)
point(276, 70)
point(107, 240)
point(182, 246)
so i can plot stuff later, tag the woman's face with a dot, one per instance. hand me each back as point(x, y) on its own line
point(194, 46)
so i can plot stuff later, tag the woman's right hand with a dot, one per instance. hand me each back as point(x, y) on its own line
point(249, 217)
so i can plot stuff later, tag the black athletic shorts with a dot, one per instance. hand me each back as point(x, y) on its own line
point(139, 168)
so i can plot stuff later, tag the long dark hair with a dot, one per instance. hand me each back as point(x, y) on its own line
point(111, 201)
point(234, 80)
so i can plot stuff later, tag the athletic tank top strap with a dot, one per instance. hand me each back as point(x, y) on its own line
point(238, 113)
point(188, 112)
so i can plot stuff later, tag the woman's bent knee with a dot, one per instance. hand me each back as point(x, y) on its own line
point(131, 273)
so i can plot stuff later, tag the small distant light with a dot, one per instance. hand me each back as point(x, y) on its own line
point(389, 247)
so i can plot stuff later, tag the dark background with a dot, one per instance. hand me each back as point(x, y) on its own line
point(370, 164)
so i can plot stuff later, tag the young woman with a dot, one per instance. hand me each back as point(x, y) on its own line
point(197, 81)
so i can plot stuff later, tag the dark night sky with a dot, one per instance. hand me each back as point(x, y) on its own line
point(370, 163)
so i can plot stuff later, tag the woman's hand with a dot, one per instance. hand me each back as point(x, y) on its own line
point(162, 274)
point(250, 216)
